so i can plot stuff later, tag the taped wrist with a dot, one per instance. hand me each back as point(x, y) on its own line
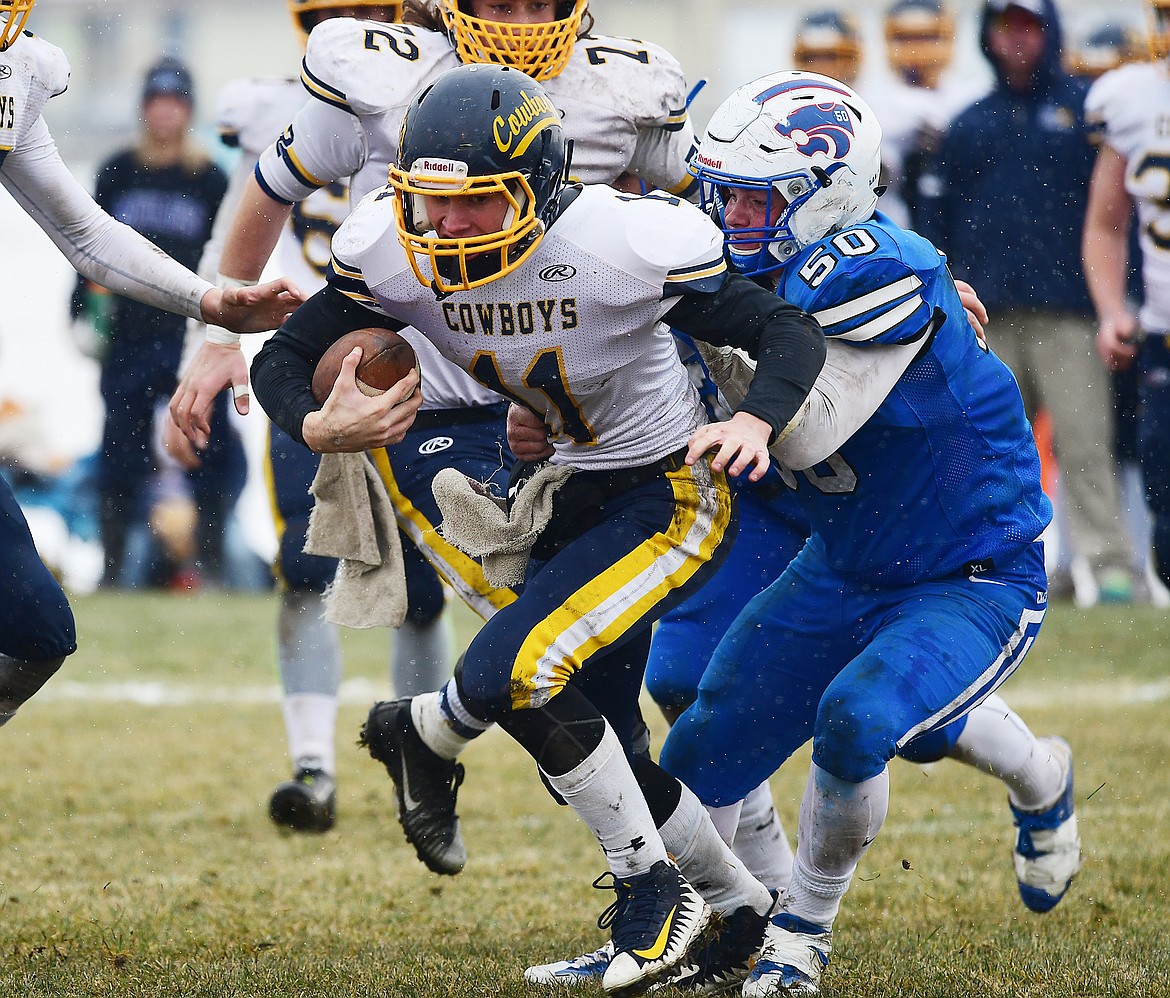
point(217, 334)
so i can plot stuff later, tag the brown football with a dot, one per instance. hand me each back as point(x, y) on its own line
point(386, 359)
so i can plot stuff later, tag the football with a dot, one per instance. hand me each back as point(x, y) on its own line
point(386, 359)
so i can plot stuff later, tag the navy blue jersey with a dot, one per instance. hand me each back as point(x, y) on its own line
point(945, 473)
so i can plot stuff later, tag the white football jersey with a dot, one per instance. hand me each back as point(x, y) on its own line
point(623, 103)
point(573, 333)
point(251, 114)
point(1130, 107)
point(31, 71)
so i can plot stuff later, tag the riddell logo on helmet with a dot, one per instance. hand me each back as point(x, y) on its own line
point(436, 166)
point(715, 164)
point(514, 134)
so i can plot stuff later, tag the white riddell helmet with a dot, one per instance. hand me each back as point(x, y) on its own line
point(810, 143)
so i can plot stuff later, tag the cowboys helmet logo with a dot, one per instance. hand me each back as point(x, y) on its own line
point(819, 128)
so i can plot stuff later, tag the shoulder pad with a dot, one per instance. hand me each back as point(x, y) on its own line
point(873, 290)
point(367, 67)
point(643, 76)
point(661, 239)
point(46, 62)
point(251, 113)
point(1120, 84)
point(366, 243)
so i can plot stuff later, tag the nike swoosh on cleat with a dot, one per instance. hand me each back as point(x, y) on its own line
point(408, 802)
point(655, 952)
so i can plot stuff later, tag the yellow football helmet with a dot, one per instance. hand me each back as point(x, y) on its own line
point(17, 13)
point(1159, 12)
point(1105, 48)
point(540, 50)
point(920, 38)
point(828, 43)
point(477, 131)
point(304, 11)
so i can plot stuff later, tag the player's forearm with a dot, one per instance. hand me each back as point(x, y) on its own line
point(101, 248)
point(1105, 255)
point(255, 230)
point(852, 385)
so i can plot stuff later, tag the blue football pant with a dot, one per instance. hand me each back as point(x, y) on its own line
point(861, 670)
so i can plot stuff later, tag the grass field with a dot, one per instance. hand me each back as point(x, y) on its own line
point(137, 858)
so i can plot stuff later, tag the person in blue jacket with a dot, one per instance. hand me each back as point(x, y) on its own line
point(1005, 199)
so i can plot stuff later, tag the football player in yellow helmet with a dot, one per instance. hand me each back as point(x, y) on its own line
point(16, 13)
point(1104, 48)
point(306, 13)
point(919, 40)
point(828, 43)
point(1159, 17)
point(528, 39)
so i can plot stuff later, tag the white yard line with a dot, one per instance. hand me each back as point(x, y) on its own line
point(163, 693)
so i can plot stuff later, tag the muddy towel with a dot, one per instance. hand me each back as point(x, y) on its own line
point(353, 520)
point(476, 523)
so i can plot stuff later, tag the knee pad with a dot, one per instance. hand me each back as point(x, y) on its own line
point(20, 678)
point(558, 735)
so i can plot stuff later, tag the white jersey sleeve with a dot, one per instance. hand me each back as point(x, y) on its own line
point(103, 249)
point(1136, 128)
point(624, 105)
point(362, 75)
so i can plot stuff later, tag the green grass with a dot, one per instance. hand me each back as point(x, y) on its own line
point(136, 856)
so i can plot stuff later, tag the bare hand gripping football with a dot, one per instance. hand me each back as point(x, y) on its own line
point(387, 358)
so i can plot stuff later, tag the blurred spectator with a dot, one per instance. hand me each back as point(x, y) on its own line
point(167, 188)
point(917, 101)
point(1006, 201)
point(1131, 169)
point(827, 42)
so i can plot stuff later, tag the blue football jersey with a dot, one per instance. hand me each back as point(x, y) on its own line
point(946, 472)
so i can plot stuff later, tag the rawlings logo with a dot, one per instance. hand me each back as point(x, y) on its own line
point(819, 128)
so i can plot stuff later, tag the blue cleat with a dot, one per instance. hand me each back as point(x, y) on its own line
point(1048, 849)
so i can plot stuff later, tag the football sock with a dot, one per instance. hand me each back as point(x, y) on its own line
point(838, 821)
point(997, 742)
point(420, 657)
point(436, 727)
point(309, 656)
point(604, 793)
point(760, 841)
point(707, 862)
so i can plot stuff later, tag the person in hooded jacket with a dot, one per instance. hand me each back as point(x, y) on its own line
point(1005, 199)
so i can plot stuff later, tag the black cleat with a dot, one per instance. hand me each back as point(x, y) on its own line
point(425, 784)
point(306, 803)
point(656, 918)
point(724, 956)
